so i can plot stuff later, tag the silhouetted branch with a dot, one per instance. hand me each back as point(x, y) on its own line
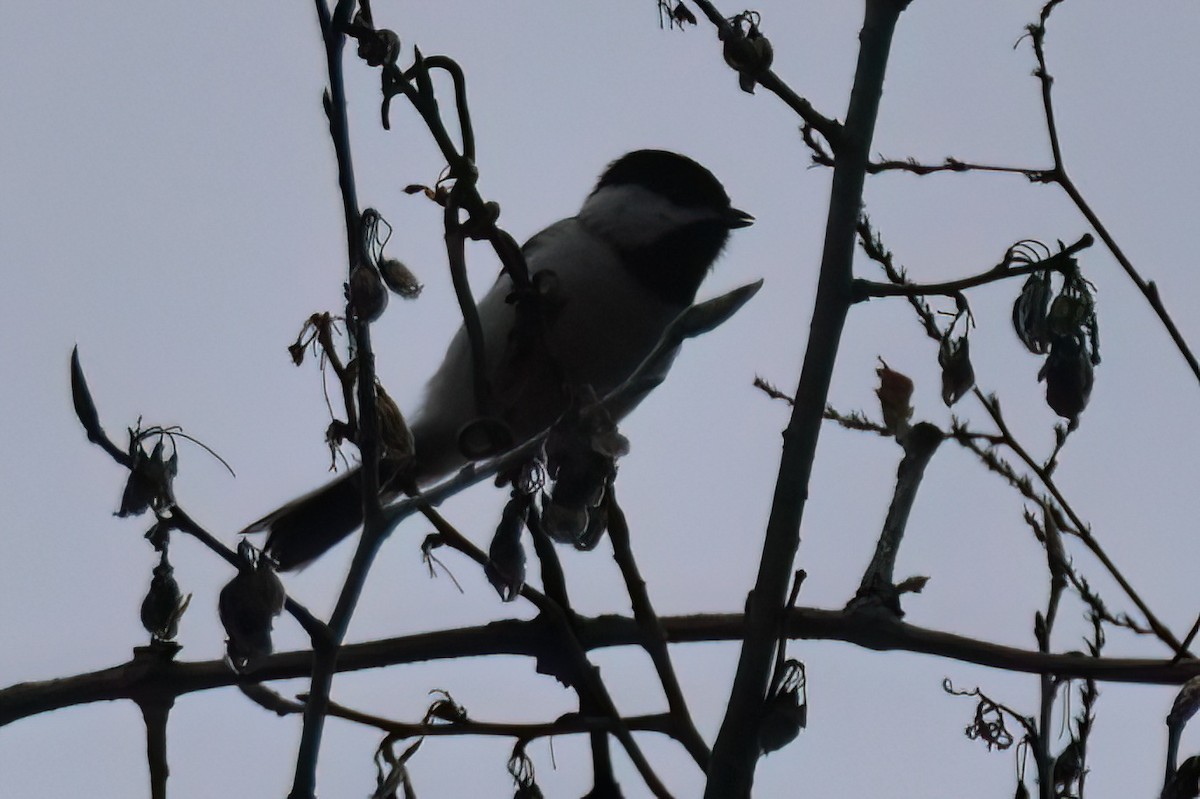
point(1056, 174)
point(559, 624)
point(1079, 529)
point(866, 289)
point(736, 750)
point(325, 650)
point(567, 724)
point(131, 680)
point(654, 637)
point(878, 588)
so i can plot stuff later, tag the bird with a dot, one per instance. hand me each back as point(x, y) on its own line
point(618, 273)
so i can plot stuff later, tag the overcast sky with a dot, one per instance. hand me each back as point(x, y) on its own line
point(169, 204)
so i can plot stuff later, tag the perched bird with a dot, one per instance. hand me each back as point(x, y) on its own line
point(616, 274)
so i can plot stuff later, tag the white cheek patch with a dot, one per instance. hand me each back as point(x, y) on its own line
point(633, 216)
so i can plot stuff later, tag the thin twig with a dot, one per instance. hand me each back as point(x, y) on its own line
point(1057, 175)
point(569, 724)
point(325, 651)
point(1047, 684)
point(584, 673)
point(831, 129)
point(874, 248)
point(866, 289)
point(952, 164)
point(1080, 529)
point(654, 636)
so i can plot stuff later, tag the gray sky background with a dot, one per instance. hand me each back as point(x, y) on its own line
point(169, 204)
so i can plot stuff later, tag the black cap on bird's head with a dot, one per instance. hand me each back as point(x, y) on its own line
point(675, 177)
point(667, 215)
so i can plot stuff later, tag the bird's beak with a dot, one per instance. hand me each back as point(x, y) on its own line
point(735, 219)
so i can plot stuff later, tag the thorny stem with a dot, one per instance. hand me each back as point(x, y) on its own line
point(1079, 529)
point(1060, 260)
point(1048, 684)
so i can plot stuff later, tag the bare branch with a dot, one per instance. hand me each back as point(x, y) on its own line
point(129, 681)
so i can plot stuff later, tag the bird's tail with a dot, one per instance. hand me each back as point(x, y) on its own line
point(305, 528)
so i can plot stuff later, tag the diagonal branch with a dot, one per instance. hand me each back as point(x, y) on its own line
point(831, 129)
point(654, 637)
point(1037, 33)
point(736, 751)
point(1080, 528)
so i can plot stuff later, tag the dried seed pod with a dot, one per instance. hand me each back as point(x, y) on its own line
point(247, 606)
point(763, 51)
point(520, 766)
point(1029, 315)
point(581, 452)
point(1069, 313)
point(379, 47)
point(505, 568)
point(958, 376)
point(399, 278)
point(1069, 376)
point(749, 52)
point(785, 713)
point(681, 14)
point(150, 479)
point(564, 523)
point(739, 52)
point(366, 293)
point(164, 603)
